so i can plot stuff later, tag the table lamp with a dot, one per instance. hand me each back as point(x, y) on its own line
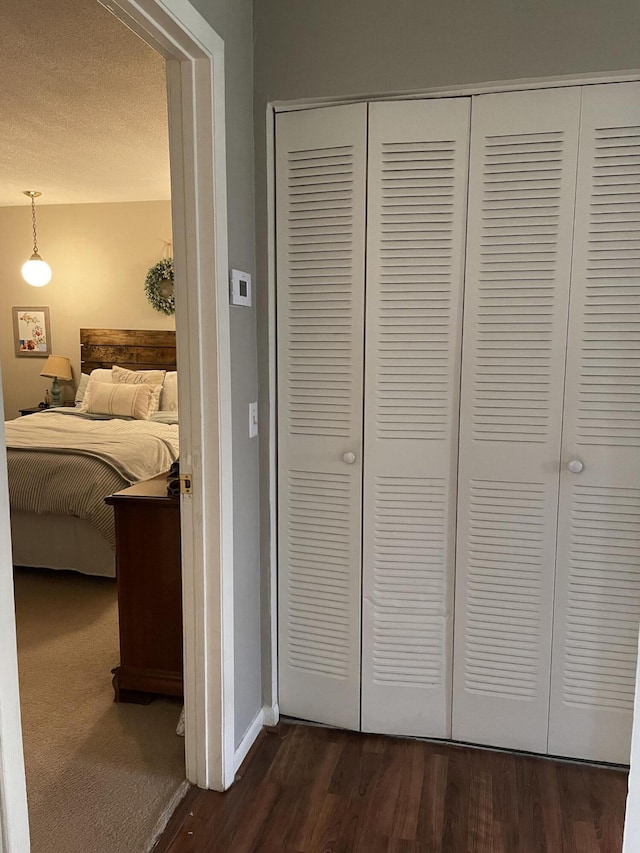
point(57, 367)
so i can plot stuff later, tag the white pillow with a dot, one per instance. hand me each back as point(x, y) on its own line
point(100, 374)
point(82, 387)
point(137, 377)
point(169, 396)
point(122, 399)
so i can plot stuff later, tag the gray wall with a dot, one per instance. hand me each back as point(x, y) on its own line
point(232, 20)
point(321, 48)
point(307, 48)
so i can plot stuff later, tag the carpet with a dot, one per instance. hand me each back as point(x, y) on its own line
point(101, 777)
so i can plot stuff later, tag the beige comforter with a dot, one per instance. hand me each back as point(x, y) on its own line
point(66, 465)
point(137, 450)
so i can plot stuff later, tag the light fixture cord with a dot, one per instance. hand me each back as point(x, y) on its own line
point(33, 217)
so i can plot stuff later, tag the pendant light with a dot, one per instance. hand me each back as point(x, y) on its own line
point(35, 271)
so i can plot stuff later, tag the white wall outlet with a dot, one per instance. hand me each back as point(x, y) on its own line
point(240, 288)
point(253, 420)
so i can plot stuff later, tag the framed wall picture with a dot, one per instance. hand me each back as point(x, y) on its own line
point(32, 332)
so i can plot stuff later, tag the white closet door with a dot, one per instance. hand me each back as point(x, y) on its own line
point(320, 220)
point(418, 161)
point(521, 204)
point(598, 568)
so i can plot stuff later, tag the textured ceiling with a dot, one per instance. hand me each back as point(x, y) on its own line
point(83, 106)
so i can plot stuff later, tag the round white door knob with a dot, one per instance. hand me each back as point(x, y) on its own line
point(575, 466)
point(349, 457)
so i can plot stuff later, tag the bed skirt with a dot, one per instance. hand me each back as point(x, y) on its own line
point(60, 542)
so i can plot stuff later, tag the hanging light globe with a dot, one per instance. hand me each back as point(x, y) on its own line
point(35, 271)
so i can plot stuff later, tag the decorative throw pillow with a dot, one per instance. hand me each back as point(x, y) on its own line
point(137, 377)
point(123, 400)
point(100, 374)
point(169, 396)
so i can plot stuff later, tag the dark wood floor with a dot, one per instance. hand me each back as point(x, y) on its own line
point(316, 790)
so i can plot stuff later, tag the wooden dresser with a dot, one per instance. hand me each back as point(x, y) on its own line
point(149, 592)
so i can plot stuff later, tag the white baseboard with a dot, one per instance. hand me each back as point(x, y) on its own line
point(268, 715)
point(271, 714)
point(249, 739)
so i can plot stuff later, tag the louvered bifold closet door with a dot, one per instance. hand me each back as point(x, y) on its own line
point(320, 220)
point(418, 160)
point(598, 570)
point(521, 203)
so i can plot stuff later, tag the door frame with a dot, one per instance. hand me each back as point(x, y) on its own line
point(196, 102)
point(14, 820)
point(194, 54)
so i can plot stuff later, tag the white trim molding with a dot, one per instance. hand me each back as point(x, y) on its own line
point(272, 694)
point(462, 90)
point(250, 737)
point(271, 714)
point(268, 715)
point(196, 100)
point(14, 820)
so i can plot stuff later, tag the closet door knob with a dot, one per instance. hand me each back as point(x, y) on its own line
point(349, 457)
point(575, 466)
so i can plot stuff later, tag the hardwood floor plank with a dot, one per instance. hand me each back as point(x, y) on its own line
point(402, 845)
point(564, 776)
point(301, 840)
point(456, 805)
point(387, 790)
point(610, 786)
point(248, 833)
point(408, 806)
point(432, 803)
point(550, 804)
point(586, 839)
point(480, 829)
point(314, 790)
point(505, 803)
point(372, 842)
point(326, 830)
point(530, 809)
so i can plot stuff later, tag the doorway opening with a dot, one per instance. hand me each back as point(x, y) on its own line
point(195, 84)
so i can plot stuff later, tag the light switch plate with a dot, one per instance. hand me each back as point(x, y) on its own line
point(253, 420)
point(240, 292)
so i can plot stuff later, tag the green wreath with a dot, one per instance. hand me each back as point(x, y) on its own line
point(159, 287)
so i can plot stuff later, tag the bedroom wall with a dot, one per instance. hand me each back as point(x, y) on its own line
point(305, 49)
point(232, 20)
point(99, 254)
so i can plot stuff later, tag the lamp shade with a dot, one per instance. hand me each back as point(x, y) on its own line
point(57, 366)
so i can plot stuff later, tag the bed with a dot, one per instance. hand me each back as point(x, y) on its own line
point(63, 462)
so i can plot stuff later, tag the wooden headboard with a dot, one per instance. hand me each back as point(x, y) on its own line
point(136, 349)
